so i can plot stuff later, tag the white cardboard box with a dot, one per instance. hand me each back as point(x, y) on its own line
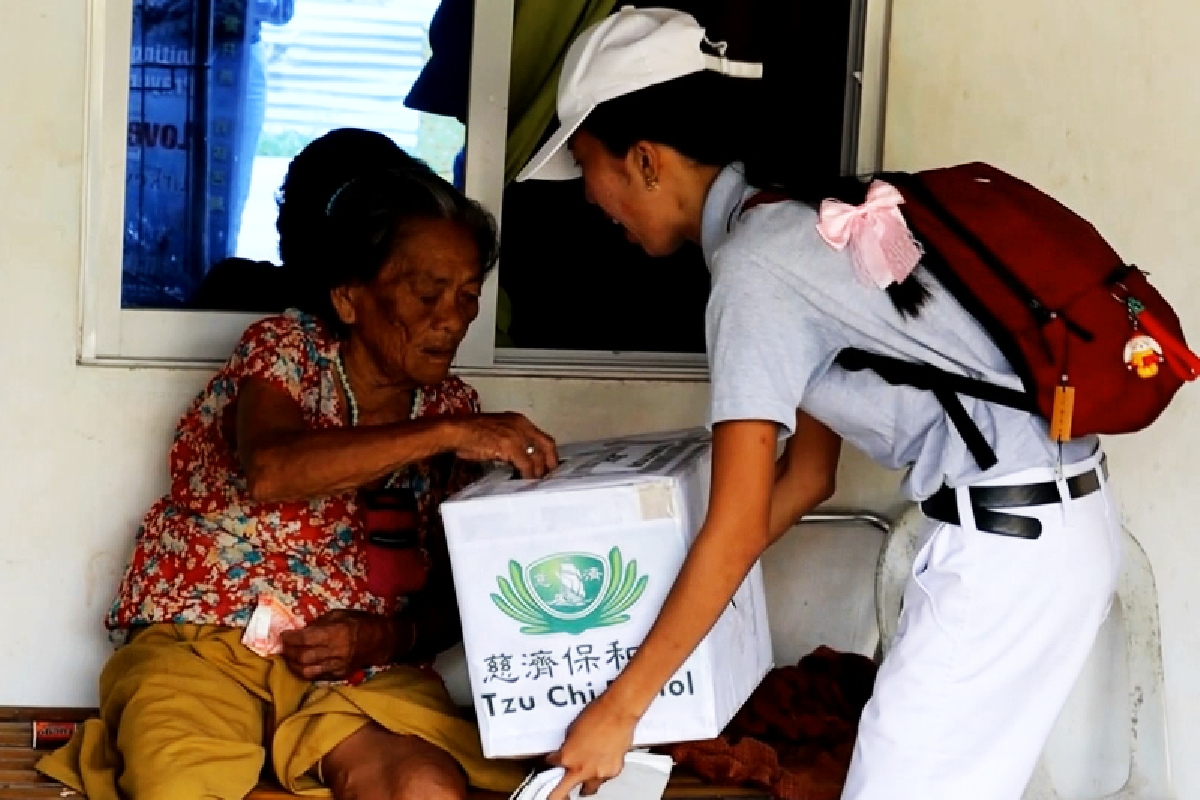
point(559, 580)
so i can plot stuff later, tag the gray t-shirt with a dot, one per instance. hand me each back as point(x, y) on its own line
point(784, 303)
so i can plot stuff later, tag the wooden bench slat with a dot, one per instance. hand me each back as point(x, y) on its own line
point(16, 734)
point(17, 758)
point(30, 713)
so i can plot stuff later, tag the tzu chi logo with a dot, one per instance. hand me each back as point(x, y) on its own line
point(570, 592)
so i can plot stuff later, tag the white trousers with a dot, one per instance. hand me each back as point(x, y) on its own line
point(994, 632)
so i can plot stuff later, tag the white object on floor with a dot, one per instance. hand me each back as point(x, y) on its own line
point(644, 777)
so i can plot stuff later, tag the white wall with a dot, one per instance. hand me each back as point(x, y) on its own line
point(83, 450)
point(1096, 103)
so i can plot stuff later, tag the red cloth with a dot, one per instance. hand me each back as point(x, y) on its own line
point(795, 735)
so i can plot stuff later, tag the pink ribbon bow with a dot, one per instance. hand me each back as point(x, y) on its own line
point(881, 245)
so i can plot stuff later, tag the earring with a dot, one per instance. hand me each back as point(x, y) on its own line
point(651, 183)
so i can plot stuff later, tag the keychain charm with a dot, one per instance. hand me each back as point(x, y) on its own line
point(1143, 355)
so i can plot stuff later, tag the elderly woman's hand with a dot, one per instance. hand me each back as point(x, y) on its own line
point(506, 437)
point(339, 643)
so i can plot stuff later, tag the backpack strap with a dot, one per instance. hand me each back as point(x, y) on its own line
point(945, 386)
point(761, 198)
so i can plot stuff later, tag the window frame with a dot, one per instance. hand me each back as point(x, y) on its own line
point(110, 335)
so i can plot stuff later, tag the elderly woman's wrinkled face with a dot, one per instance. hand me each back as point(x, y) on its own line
point(413, 316)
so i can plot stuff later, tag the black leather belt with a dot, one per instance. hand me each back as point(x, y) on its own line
point(985, 500)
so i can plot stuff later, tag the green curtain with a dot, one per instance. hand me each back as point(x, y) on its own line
point(542, 32)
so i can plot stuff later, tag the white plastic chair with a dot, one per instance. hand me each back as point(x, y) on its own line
point(815, 578)
point(1136, 606)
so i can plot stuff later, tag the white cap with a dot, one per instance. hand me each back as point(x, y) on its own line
point(627, 51)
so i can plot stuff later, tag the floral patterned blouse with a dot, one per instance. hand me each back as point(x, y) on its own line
point(207, 550)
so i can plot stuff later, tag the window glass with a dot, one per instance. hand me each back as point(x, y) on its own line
point(569, 277)
point(222, 95)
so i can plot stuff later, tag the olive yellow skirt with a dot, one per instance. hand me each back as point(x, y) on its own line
point(188, 711)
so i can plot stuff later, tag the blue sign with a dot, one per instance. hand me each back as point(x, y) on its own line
point(186, 88)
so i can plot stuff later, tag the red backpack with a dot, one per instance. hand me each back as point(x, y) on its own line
point(1097, 348)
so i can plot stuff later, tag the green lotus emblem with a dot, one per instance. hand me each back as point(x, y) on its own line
point(570, 592)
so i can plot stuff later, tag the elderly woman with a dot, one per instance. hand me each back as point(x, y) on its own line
point(308, 473)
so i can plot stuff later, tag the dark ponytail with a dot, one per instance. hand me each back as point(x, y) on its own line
point(713, 120)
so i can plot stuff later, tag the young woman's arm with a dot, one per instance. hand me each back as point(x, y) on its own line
point(805, 475)
point(751, 504)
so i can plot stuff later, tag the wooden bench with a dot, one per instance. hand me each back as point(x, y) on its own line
point(19, 780)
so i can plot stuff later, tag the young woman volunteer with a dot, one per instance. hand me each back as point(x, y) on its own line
point(998, 618)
